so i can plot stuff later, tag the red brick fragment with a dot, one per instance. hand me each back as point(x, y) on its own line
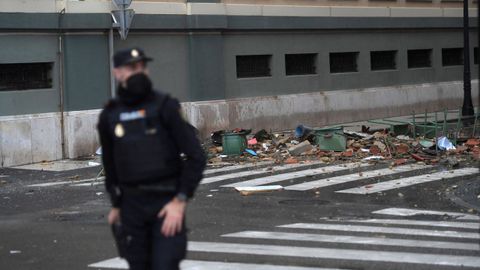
point(472, 142)
point(402, 148)
point(417, 157)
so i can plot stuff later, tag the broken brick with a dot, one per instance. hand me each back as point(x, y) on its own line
point(300, 148)
point(348, 153)
point(374, 150)
point(402, 148)
point(417, 157)
point(291, 161)
point(472, 142)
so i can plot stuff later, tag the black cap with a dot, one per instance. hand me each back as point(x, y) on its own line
point(129, 56)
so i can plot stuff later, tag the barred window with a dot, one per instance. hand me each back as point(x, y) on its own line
point(419, 58)
point(25, 76)
point(383, 60)
point(452, 57)
point(300, 64)
point(251, 66)
point(343, 62)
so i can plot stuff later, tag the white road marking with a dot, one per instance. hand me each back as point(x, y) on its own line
point(90, 184)
point(405, 212)
point(346, 239)
point(297, 174)
point(275, 169)
point(237, 167)
point(386, 230)
point(204, 265)
point(432, 223)
point(409, 181)
point(118, 263)
point(49, 184)
point(115, 263)
point(354, 177)
point(338, 254)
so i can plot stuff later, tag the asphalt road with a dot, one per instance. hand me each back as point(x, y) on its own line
point(57, 224)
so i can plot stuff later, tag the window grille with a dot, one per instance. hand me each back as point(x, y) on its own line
point(25, 76)
point(419, 58)
point(452, 57)
point(300, 64)
point(251, 66)
point(343, 62)
point(383, 60)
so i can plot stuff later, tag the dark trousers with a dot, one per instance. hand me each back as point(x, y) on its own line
point(147, 248)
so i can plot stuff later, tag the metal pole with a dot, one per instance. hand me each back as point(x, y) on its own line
point(467, 108)
point(111, 48)
point(61, 82)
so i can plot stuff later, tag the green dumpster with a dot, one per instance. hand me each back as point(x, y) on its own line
point(234, 143)
point(331, 139)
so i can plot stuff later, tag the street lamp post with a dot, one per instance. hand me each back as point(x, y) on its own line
point(467, 108)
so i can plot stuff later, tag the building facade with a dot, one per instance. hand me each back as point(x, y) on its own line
point(236, 63)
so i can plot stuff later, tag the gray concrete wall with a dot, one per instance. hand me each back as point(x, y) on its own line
point(324, 42)
point(27, 48)
point(87, 71)
point(169, 70)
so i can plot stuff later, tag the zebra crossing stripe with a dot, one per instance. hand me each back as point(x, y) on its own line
point(297, 174)
point(433, 223)
point(409, 181)
point(339, 254)
point(219, 178)
point(236, 167)
point(405, 212)
point(118, 263)
point(385, 230)
point(207, 265)
point(354, 177)
point(346, 239)
point(50, 184)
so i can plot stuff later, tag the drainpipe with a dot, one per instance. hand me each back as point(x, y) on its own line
point(111, 50)
point(61, 59)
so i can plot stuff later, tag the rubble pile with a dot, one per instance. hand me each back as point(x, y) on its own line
point(378, 146)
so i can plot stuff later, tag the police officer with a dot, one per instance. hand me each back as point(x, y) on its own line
point(153, 163)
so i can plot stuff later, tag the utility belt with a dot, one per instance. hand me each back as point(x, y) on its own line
point(159, 188)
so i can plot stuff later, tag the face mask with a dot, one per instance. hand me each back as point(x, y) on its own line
point(138, 87)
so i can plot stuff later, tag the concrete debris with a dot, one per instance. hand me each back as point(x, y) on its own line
point(300, 148)
point(381, 146)
point(403, 137)
point(301, 145)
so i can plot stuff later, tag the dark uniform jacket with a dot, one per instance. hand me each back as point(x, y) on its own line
point(181, 135)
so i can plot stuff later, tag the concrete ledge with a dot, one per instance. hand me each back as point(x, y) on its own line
point(29, 138)
point(46, 6)
point(33, 138)
point(222, 9)
point(416, 12)
point(295, 11)
point(360, 12)
point(243, 10)
point(326, 108)
point(205, 9)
